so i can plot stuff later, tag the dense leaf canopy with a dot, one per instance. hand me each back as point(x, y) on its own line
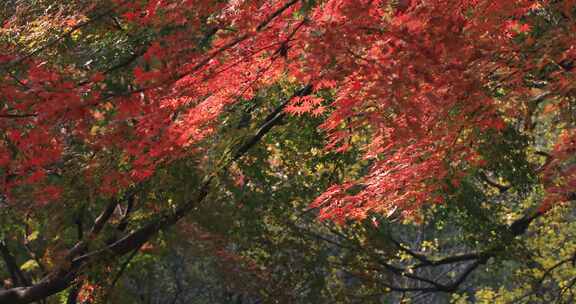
point(287, 151)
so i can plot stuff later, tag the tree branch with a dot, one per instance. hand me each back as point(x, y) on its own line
point(18, 278)
point(66, 274)
point(493, 183)
point(59, 38)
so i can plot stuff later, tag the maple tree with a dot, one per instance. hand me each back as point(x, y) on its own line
point(100, 103)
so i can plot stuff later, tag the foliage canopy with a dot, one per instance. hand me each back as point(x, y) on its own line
point(306, 151)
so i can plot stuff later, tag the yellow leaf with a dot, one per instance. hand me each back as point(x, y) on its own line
point(29, 265)
point(33, 236)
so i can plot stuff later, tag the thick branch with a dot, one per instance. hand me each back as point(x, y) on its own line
point(18, 278)
point(99, 223)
